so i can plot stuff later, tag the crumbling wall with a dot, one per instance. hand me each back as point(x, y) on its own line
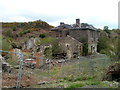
point(71, 46)
point(113, 73)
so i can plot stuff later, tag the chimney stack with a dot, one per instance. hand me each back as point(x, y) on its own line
point(61, 23)
point(78, 22)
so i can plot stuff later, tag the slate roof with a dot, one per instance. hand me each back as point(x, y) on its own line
point(64, 26)
point(84, 26)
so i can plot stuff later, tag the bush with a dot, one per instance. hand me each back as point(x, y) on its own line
point(21, 33)
point(42, 36)
point(48, 52)
point(102, 42)
point(6, 45)
point(56, 49)
point(24, 32)
point(8, 33)
point(14, 28)
point(13, 61)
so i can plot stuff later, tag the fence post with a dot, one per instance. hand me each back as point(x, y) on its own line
point(92, 65)
point(62, 68)
point(20, 70)
point(49, 67)
point(38, 60)
point(13, 54)
point(1, 70)
point(79, 63)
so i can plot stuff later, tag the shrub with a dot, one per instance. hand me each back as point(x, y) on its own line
point(42, 36)
point(8, 33)
point(21, 33)
point(85, 49)
point(13, 61)
point(14, 28)
point(48, 52)
point(6, 45)
point(102, 42)
point(24, 32)
point(56, 49)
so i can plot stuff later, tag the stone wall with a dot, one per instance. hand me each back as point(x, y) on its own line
point(71, 46)
point(86, 36)
point(30, 44)
point(92, 41)
point(59, 33)
point(80, 35)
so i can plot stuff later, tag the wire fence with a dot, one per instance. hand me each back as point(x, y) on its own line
point(93, 66)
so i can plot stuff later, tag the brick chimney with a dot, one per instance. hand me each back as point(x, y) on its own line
point(61, 23)
point(78, 23)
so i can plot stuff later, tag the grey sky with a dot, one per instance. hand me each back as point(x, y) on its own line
point(96, 12)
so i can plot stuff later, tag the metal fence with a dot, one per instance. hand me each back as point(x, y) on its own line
point(20, 57)
point(93, 65)
point(85, 65)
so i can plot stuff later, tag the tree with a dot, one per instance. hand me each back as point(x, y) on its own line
point(104, 46)
point(118, 47)
point(56, 49)
point(102, 43)
point(106, 28)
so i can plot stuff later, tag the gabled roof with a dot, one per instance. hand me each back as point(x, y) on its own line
point(83, 26)
point(63, 26)
point(65, 39)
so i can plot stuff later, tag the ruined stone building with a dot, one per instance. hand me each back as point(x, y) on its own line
point(76, 36)
point(71, 46)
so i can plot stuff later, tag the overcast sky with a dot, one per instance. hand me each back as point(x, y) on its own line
point(96, 12)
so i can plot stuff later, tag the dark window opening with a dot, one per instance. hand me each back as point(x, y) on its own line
point(60, 34)
point(57, 35)
point(67, 33)
point(91, 48)
point(67, 47)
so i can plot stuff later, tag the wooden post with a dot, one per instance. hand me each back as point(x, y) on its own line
point(13, 54)
point(37, 60)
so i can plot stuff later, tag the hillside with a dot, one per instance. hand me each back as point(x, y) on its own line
point(109, 43)
point(19, 32)
point(18, 29)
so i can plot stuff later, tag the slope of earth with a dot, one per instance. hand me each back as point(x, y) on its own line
point(19, 32)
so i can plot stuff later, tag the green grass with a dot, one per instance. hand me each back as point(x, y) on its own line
point(46, 40)
point(6, 46)
point(109, 84)
point(13, 60)
point(70, 77)
point(76, 85)
point(83, 83)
